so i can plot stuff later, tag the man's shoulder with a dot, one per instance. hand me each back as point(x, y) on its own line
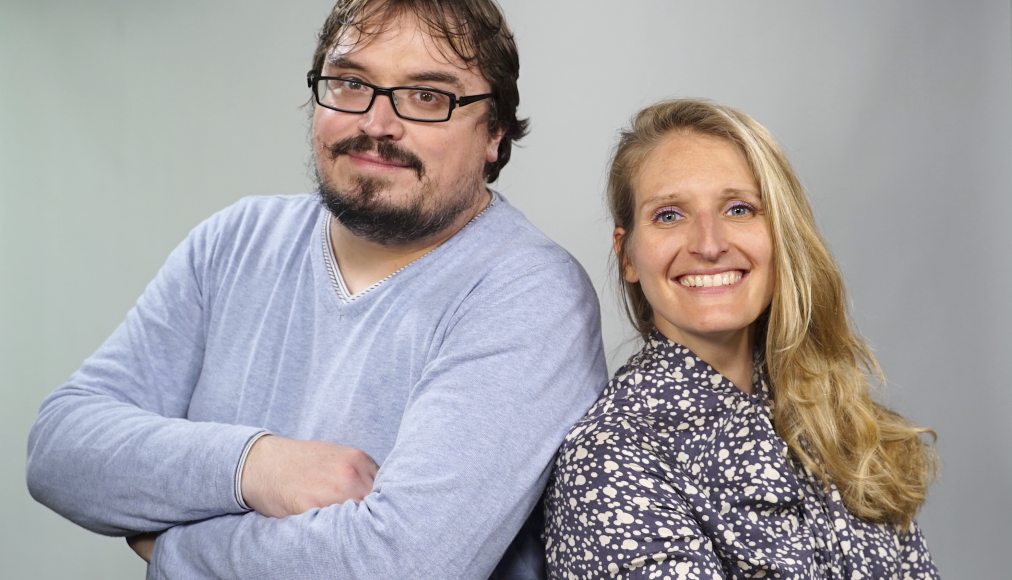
point(261, 217)
point(258, 210)
point(507, 242)
point(265, 226)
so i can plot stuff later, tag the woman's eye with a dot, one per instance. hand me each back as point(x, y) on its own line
point(666, 216)
point(741, 210)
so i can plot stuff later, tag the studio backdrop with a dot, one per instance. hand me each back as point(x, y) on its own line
point(123, 124)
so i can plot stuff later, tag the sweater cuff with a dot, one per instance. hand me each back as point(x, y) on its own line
point(242, 463)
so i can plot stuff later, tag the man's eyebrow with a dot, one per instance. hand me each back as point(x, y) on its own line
point(341, 61)
point(437, 77)
point(434, 76)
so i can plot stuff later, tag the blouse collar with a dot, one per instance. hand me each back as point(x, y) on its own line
point(682, 363)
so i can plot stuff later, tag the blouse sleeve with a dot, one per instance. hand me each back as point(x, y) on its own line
point(914, 558)
point(616, 507)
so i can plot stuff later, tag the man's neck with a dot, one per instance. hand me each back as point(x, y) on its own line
point(364, 262)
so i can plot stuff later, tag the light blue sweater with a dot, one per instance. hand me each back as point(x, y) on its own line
point(460, 375)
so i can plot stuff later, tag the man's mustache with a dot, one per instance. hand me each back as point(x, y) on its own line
point(386, 150)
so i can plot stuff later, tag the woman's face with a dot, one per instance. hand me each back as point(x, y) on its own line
point(700, 248)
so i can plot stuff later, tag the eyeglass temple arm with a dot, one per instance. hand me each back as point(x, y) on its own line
point(464, 101)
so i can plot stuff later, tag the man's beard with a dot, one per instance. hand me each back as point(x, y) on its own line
point(361, 210)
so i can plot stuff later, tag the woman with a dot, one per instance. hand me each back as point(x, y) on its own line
point(741, 441)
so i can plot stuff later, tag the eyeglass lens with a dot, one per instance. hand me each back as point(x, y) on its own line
point(354, 97)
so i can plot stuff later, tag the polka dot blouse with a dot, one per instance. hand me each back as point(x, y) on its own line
point(675, 473)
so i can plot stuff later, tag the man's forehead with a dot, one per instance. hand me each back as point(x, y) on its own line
point(404, 32)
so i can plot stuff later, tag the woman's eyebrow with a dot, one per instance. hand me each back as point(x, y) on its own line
point(662, 199)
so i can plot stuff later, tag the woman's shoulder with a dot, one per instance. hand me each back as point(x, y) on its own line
point(620, 495)
point(662, 391)
point(609, 431)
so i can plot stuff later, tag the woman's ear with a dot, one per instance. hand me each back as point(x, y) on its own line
point(618, 241)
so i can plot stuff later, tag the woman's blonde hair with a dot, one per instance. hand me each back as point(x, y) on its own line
point(818, 366)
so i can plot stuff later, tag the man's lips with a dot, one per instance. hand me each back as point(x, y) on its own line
point(719, 279)
point(376, 161)
point(376, 154)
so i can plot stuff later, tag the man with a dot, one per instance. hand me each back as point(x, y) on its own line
point(371, 390)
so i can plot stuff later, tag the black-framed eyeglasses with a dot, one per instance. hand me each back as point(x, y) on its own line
point(350, 95)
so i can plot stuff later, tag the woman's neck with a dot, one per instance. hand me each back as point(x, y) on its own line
point(730, 354)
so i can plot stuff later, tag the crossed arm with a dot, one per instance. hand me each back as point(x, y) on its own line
point(458, 484)
point(114, 451)
point(285, 477)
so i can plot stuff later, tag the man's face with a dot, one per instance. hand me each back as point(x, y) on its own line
point(391, 180)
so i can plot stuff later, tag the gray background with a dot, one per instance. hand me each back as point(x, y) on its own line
point(122, 124)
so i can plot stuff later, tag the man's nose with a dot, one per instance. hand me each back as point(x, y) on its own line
point(380, 121)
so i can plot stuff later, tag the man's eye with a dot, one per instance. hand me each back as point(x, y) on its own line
point(429, 99)
point(351, 85)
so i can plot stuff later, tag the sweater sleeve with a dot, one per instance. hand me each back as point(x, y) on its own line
point(520, 363)
point(110, 449)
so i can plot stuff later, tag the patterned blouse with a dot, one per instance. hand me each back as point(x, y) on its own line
point(675, 473)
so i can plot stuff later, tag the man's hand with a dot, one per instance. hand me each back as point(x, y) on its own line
point(284, 477)
point(143, 545)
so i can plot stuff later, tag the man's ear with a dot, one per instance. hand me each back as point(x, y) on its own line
point(618, 238)
point(492, 151)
